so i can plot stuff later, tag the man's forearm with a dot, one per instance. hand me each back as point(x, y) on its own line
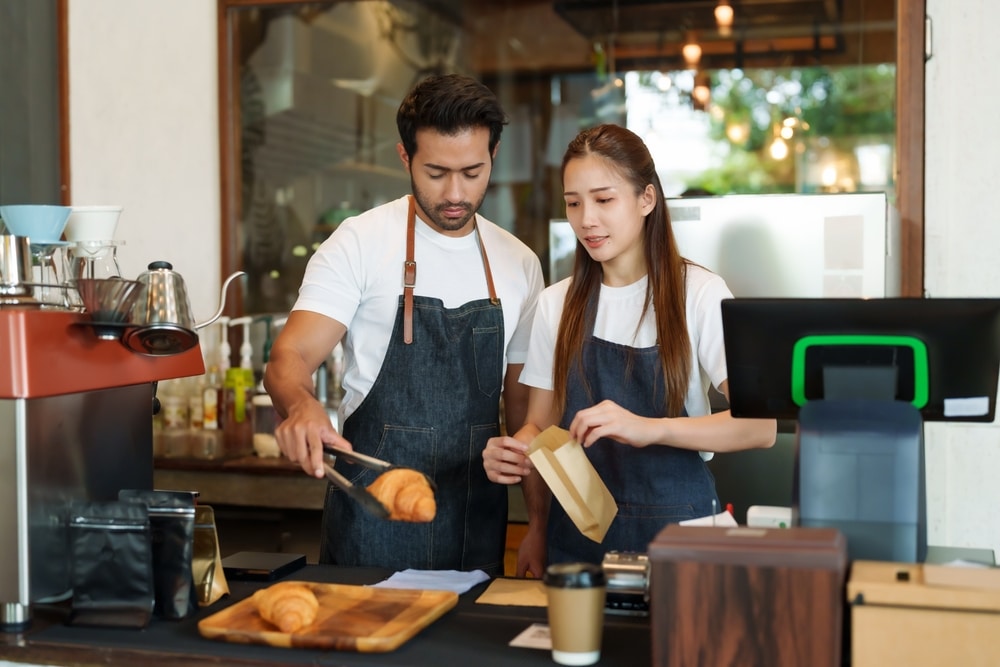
point(515, 400)
point(537, 498)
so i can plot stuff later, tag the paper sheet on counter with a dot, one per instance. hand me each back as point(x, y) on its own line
point(434, 580)
point(722, 519)
point(515, 592)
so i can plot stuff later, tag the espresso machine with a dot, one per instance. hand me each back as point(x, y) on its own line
point(81, 352)
point(75, 425)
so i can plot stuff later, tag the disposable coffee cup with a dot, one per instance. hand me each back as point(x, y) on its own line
point(576, 611)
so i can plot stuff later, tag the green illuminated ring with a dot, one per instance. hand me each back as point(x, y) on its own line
point(921, 383)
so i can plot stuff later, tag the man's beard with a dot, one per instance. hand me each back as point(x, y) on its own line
point(434, 211)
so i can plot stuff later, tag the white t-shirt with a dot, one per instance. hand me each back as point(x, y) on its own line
point(356, 278)
point(618, 311)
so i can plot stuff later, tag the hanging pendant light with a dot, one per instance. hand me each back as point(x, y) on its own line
point(691, 51)
point(724, 18)
point(701, 95)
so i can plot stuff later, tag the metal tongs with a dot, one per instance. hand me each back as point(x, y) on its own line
point(359, 493)
point(369, 462)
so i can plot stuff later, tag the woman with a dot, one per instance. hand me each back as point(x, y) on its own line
point(622, 354)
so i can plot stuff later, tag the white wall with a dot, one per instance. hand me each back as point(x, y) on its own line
point(961, 204)
point(144, 133)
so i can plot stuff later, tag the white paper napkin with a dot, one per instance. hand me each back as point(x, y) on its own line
point(722, 519)
point(435, 580)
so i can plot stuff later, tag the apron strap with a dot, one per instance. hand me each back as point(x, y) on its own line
point(486, 266)
point(410, 272)
point(409, 275)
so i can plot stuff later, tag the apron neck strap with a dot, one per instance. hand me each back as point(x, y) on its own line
point(486, 266)
point(410, 270)
point(409, 274)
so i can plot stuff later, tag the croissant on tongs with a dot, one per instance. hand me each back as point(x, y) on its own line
point(406, 493)
point(289, 605)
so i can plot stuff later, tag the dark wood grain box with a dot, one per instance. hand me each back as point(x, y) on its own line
point(747, 596)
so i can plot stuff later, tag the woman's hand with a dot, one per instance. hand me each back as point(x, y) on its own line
point(505, 460)
point(607, 419)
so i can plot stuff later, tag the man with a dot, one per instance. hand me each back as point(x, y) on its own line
point(434, 306)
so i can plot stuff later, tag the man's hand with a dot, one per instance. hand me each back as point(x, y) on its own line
point(302, 434)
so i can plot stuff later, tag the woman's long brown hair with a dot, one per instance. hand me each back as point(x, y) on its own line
point(626, 153)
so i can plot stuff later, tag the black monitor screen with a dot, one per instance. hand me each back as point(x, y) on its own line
point(942, 355)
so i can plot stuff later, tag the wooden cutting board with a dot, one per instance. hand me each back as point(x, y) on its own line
point(350, 618)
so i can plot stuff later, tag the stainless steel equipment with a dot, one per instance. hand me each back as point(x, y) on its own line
point(15, 270)
point(164, 321)
point(75, 425)
point(627, 575)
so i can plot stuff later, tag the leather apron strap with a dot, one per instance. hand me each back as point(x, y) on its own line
point(410, 271)
point(409, 274)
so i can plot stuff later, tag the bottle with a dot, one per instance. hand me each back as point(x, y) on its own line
point(174, 408)
point(223, 362)
point(337, 375)
point(239, 391)
point(211, 390)
point(238, 425)
point(174, 405)
point(194, 390)
point(265, 419)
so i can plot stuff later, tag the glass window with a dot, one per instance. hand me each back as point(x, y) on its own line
point(793, 96)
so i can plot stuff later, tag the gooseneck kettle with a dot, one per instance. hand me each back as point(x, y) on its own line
point(162, 317)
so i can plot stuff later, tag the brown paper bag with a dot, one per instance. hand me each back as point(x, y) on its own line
point(570, 475)
point(206, 566)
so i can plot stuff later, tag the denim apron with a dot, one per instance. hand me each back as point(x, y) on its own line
point(432, 407)
point(653, 485)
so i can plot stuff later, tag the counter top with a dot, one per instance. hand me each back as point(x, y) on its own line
point(469, 634)
point(247, 481)
point(253, 464)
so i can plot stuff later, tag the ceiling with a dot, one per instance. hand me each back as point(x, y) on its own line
point(765, 33)
point(596, 18)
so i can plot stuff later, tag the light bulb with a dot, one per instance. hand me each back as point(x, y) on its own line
point(691, 52)
point(702, 94)
point(724, 17)
point(779, 149)
point(828, 177)
point(738, 133)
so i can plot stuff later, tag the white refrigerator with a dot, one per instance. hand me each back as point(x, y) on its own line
point(794, 245)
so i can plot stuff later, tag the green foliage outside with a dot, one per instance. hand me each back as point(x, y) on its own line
point(838, 107)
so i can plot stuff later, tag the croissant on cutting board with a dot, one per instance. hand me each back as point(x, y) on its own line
point(289, 605)
point(406, 494)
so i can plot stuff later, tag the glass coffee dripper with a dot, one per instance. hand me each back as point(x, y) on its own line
point(94, 259)
point(50, 276)
point(90, 260)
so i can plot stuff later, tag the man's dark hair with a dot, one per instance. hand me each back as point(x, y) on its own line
point(449, 103)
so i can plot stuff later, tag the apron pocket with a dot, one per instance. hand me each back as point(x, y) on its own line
point(660, 513)
point(489, 359)
point(408, 447)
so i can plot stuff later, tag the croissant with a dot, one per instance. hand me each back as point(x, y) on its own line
point(290, 605)
point(406, 494)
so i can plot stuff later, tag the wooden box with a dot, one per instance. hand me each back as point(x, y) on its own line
point(915, 615)
point(747, 596)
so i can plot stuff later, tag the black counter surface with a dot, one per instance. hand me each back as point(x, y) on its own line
point(470, 634)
